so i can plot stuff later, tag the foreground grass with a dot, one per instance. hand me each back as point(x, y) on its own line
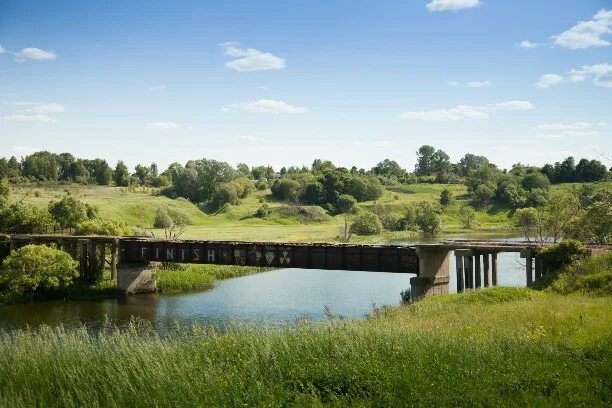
point(494, 347)
point(186, 278)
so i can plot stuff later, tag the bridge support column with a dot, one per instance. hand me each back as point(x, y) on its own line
point(433, 273)
point(136, 278)
point(528, 256)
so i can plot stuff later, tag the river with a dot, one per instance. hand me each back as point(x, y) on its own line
point(274, 298)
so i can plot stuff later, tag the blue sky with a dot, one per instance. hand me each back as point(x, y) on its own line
point(271, 82)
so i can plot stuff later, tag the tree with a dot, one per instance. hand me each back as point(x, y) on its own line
point(4, 191)
point(470, 162)
point(111, 227)
point(590, 171)
point(173, 222)
point(484, 193)
point(535, 179)
point(346, 203)
point(33, 268)
point(427, 219)
point(388, 168)
point(313, 193)
point(286, 189)
point(121, 175)
point(41, 166)
point(100, 171)
point(467, 216)
point(446, 197)
point(424, 165)
point(366, 223)
point(243, 169)
point(70, 212)
point(19, 218)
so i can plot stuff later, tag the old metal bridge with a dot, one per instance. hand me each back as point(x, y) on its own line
point(129, 258)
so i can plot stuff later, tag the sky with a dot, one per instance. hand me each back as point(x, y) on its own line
point(281, 83)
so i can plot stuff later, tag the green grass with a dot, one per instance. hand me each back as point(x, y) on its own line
point(494, 347)
point(186, 278)
point(137, 208)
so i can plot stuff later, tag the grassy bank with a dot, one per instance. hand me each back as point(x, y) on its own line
point(186, 278)
point(502, 346)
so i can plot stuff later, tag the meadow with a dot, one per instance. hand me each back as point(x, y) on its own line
point(137, 206)
point(493, 347)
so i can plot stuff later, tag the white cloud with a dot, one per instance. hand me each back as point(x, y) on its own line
point(162, 126)
point(382, 143)
point(466, 112)
point(548, 80)
point(247, 138)
point(32, 53)
point(561, 130)
point(2, 49)
point(587, 34)
point(600, 74)
point(529, 44)
point(270, 106)
point(477, 84)
point(513, 105)
point(29, 118)
point(250, 59)
point(453, 83)
point(157, 88)
point(452, 5)
point(47, 108)
point(461, 112)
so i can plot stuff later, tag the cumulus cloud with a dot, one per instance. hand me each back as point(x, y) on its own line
point(250, 59)
point(452, 5)
point(33, 53)
point(477, 84)
point(270, 106)
point(461, 112)
point(162, 126)
point(529, 44)
point(466, 112)
point(548, 80)
point(585, 34)
point(599, 74)
point(561, 130)
point(29, 118)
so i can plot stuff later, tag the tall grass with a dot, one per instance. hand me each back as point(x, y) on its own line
point(184, 278)
point(517, 348)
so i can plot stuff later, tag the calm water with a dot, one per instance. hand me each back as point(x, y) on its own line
point(272, 298)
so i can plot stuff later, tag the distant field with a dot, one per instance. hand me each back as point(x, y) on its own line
point(137, 208)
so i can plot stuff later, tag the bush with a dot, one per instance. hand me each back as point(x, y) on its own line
point(19, 218)
point(227, 193)
point(592, 275)
point(556, 257)
point(262, 184)
point(162, 218)
point(69, 212)
point(393, 221)
point(366, 223)
point(446, 197)
point(427, 219)
point(467, 216)
point(286, 189)
point(33, 268)
point(110, 227)
point(346, 203)
point(263, 211)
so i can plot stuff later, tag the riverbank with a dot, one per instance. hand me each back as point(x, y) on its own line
point(499, 346)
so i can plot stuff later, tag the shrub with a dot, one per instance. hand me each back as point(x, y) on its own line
point(19, 218)
point(162, 218)
point(556, 257)
point(366, 223)
point(592, 275)
point(69, 212)
point(427, 219)
point(286, 189)
point(36, 267)
point(346, 203)
point(110, 227)
point(393, 221)
point(467, 216)
point(446, 197)
point(263, 211)
point(262, 184)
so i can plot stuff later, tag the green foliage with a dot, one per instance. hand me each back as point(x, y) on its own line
point(592, 275)
point(19, 218)
point(4, 191)
point(33, 268)
point(555, 257)
point(484, 193)
point(346, 203)
point(263, 211)
point(427, 219)
point(535, 179)
point(366, 223)
point(107, 227)
point(41, 166)
point(446, 197)
point(166, 218)
point(69, 212)
point(180, 278)
point(467, 216)
point(262, 184)
point(121, 176)
point(286, 189)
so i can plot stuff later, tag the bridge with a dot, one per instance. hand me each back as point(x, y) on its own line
point(132, 259)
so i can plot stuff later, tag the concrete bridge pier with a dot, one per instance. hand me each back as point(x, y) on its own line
point(135, 278)
point(474, 268)
point(433, 276)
